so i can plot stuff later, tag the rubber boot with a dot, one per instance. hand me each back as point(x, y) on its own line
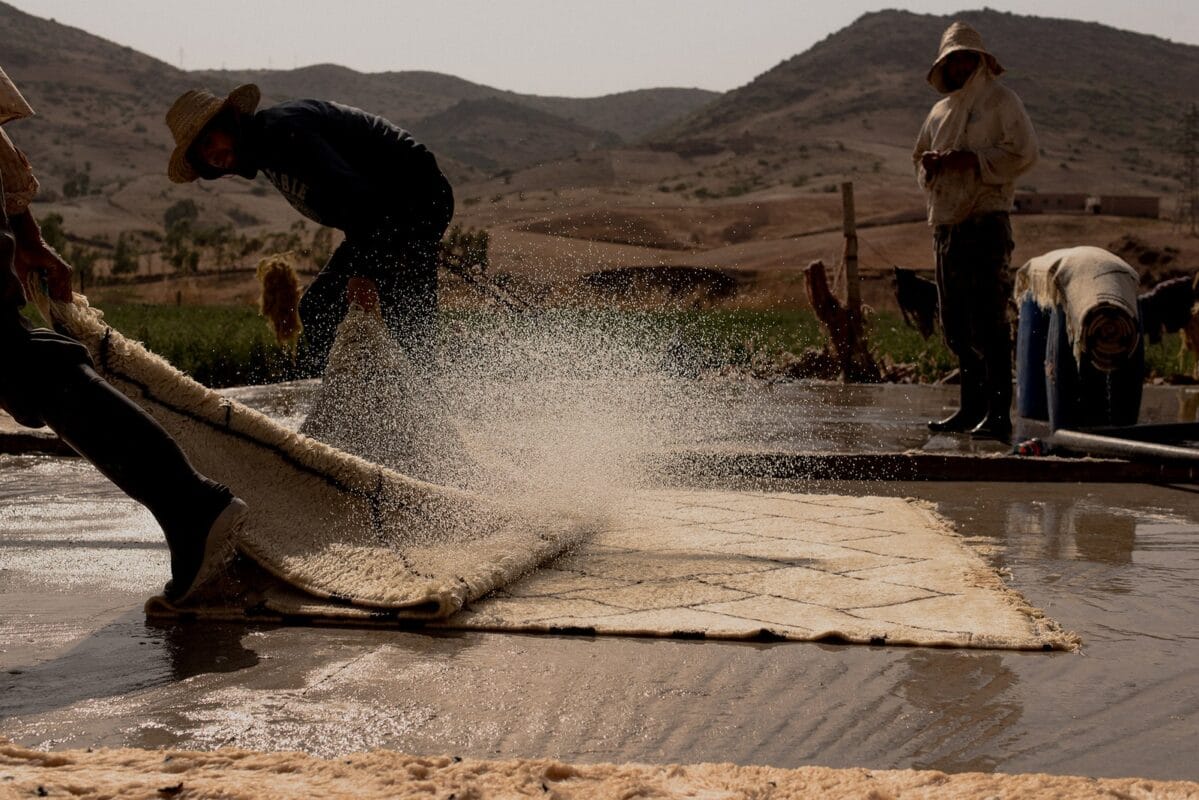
point(199, 517)
point(972, 408)
point(997, 424)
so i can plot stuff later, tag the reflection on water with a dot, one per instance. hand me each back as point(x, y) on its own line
point(965, 703)
point(1071, 530)
point(199, 648)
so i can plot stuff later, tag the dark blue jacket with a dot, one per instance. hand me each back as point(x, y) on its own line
point(342, 167)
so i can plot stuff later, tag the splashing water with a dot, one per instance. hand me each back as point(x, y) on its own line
point(558, 413)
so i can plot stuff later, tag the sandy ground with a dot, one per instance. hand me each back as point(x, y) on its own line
point(80, 666)
point(766, 241)
point(233, 774)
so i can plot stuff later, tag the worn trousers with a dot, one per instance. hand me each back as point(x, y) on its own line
point(974, 284)
point(48, 379)
point(400, 253)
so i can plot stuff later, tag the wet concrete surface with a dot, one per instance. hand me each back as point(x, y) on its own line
point(81, 666)
point(806, 416)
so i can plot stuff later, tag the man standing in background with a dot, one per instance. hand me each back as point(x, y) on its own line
point(974, 144)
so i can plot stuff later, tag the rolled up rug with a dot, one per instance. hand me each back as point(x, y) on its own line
point(1109, 336)
point(1097, 290)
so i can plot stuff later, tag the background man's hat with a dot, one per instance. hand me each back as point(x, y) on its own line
point(959, 36)
point(191, 112)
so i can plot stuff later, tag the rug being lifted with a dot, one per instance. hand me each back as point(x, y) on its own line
point(325, 523)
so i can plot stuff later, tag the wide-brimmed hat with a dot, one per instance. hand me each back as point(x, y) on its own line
point(191, 112)
point(959, 36)
point(12, 104)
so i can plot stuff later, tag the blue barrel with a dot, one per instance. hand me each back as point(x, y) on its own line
point(1081, 396)
point(1032, 340)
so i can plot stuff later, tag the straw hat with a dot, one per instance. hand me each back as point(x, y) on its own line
point(191, 112)
point(959, 36)
point(12, 104)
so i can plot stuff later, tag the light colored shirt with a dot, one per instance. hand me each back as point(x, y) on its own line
point(988, 119)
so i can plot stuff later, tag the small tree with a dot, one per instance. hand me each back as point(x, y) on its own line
point(78, 183)
point(465, 250)
point(184, 211)
point(83, 262)
point(124, 255)
point(53, 233)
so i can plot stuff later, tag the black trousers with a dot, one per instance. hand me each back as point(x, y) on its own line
point(400, 253)
point(974, 283)
point(47, 379)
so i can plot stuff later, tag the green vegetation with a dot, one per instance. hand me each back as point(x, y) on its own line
point(1168, 358)
point(758, 341)
point(216, 345)
point(233, 345)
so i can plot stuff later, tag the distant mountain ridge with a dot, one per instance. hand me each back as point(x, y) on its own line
point(1106, 104)
point(1095, 93)
point(102, 106)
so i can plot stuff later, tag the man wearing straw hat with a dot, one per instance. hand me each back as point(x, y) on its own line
point(47, 379)
point(338, 166)
point(974, 144)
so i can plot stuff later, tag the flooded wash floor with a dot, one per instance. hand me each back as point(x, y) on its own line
point(81, 666)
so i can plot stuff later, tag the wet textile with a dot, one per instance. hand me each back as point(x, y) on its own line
point(703, 564)
point(329, 525)
point(1097, 291)
point(987, 119)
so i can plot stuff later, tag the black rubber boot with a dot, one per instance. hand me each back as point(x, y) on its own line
point(972, 409)
point(199, 517)
point(997, 424)
point(200, 549)
point(994, 426)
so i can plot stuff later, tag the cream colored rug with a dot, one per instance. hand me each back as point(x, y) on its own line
point(731, 565)
point(325, 523)
point(740, 565)
point(245, 775)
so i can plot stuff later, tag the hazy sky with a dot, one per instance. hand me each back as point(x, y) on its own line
point(566, 47)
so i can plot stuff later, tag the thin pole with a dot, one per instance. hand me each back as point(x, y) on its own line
point(853, 290)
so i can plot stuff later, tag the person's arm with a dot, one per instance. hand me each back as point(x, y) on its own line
point(29, 251)
point(923, 159)
point(1016, 150)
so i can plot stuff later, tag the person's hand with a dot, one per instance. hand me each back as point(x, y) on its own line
point(34, 255)
point(958, 160)
point(43, 259)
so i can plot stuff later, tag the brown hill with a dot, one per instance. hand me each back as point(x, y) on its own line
point(747, 184)
point(494, 135)
point(1106, 103)
point(101, 107)
point(409, 96)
